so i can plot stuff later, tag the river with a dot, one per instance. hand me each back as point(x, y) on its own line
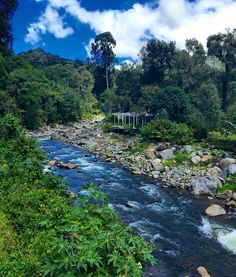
point(170, 219)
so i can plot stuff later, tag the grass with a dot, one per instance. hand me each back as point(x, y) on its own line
point(138, 148)
point(179, 158)
point(230, 185)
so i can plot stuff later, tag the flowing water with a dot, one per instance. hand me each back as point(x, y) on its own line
point(170, 219)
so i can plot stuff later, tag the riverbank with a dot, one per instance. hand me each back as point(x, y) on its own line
point(202, 170)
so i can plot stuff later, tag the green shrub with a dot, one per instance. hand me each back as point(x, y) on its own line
point(138, 148)
point(229, 185)
point(106, 127)
point(166, 130)
point(181, 157)
point(227, 143)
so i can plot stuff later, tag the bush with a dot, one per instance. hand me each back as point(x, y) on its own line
point(227, 143)
point(166, 130)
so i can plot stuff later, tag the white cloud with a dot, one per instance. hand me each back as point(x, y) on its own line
point(169, 20)
point(50, 21)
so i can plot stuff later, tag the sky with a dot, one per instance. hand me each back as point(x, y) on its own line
point(67, 27)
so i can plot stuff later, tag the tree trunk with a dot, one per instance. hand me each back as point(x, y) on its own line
point(225, 88)
point(107, 76)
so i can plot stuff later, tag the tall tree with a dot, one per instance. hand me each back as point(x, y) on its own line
point(7, 9)
point(102, 54)
point(223, 47)
point(157, 57)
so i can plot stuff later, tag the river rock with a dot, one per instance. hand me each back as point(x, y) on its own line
point(196, 159)
point(188, 148)
point(155, 174)
point(232, 169)
point(73, 195)
point(155, 164)
point(66, 165)
point(206, 158)
point(159, 168)
point(56, 136)
point(162, 146)
point(203, 272)
point(52, 162)
point(234, 196)
point(200, 153)
point(231, 204)
point(226, 162)
point(137, 172)
point(205, 185)
point(166, 154)
point(215, 210)
point(150, 153)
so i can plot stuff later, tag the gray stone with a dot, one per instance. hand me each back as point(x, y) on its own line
point(56, 136)
point(232, 169)
point(195, 159)
point(205, 185)
point(231, 204)
point(215, 210)
point(226, 162)
point(155, 174)
point(166, 154)
point(156, 163)
point(200, 153)
point(188, 148)
point(234, 196)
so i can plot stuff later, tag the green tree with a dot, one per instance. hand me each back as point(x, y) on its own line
point(128, 84)
point(102, 54)
point(147, 100)
point(7, 9)
point(27, 86)
point(85, 87)
point(157, 59)
point(208, 102)
point(223, 47)
point(174, 101)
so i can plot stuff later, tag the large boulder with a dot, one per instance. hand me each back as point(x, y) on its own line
point(215, 210)
point(232, 169)
point(226, 162)
point(207, 185)
point(166, 154)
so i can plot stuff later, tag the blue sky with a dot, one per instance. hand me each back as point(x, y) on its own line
point(67, 27)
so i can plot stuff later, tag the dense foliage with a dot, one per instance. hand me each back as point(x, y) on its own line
point(57, 93)
point(166, 130)
point(45, 233)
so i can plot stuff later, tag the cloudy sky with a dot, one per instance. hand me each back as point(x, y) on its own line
point(66, 27)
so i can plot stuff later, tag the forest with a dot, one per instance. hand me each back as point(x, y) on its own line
point(192, 86)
